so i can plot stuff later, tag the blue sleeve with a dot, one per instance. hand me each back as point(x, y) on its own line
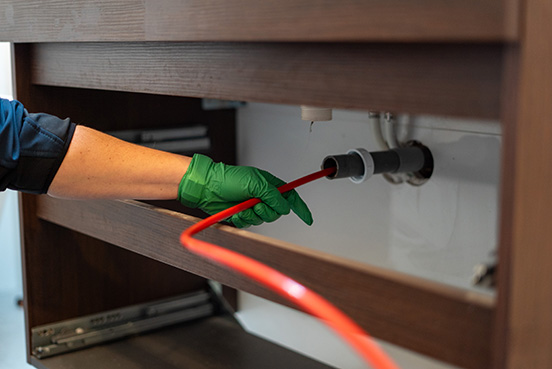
point(32, 147)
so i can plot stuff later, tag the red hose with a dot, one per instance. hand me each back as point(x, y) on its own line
point(306, 299)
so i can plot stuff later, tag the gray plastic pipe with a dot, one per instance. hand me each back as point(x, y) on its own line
point(359, 164)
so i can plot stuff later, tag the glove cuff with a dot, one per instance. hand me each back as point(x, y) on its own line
point(190, 190)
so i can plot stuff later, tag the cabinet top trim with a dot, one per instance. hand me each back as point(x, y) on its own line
point(251, 20)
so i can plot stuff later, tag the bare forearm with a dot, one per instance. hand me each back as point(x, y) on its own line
point(100, 166)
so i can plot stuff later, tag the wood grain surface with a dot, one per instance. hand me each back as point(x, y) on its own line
point(462, 80)
point(251, 20)
point(424, 316)
point(524, 315)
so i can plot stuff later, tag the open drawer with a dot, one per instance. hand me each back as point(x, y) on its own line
point(356, 288)
point(190, 331)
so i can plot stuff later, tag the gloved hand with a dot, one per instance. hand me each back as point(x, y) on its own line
point(213, 187)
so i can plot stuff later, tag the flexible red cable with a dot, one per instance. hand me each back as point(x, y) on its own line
point(306, 299)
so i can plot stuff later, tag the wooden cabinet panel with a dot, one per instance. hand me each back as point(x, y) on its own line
point(251, 20)
point(433, 319)
point(523, 333)
point(462, 80)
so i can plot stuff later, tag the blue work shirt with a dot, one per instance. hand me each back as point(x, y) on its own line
point(32, 147)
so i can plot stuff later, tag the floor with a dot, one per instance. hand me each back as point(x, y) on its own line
point(12, 333)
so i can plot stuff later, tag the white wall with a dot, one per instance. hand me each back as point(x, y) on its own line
point(437, 231)
point(5, 70)
point(10, 261)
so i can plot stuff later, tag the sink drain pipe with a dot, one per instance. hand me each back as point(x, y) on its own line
point(359, 164)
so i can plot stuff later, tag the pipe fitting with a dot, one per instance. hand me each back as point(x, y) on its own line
point(367, 162)
point(359, 164)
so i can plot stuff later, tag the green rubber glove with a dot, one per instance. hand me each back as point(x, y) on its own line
point(213, 187)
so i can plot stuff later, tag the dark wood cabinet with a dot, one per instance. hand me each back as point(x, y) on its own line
point(130, 64)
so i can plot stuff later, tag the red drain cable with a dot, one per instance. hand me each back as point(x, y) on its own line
point(306, 299)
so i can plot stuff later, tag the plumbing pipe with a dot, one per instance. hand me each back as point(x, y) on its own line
point(359, 164)
point(304, 298)
point(375, 119)
point(390, 134)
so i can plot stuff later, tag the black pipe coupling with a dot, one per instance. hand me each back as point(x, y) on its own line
point(359, 164)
